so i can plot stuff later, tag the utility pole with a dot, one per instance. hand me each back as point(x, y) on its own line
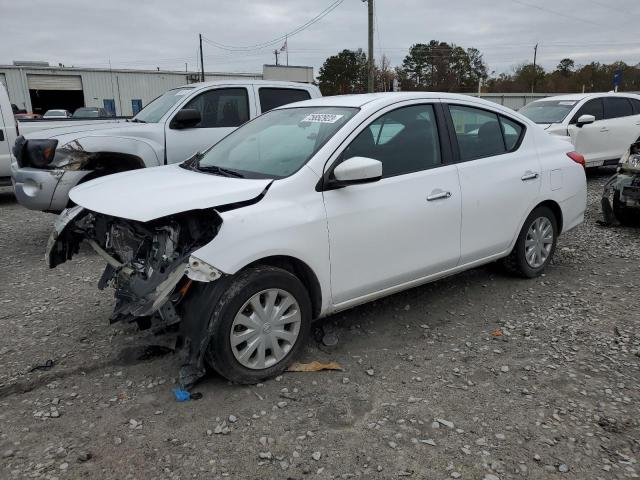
point(535, 57)
point(371, 61)
point(276, 53)
point(201, 60)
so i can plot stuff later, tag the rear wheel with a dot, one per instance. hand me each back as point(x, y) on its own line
point(535, 245)
point(259, 325)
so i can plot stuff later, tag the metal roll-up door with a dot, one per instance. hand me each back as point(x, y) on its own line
point(54, 82)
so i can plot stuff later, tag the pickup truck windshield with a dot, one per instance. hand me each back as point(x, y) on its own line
point(276, 144)
point(154, 111)
point(548, 111)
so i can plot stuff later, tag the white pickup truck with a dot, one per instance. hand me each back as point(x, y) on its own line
point(8, 134)
point(170, 129)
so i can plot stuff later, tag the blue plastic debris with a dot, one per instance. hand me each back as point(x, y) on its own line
point(181, 395)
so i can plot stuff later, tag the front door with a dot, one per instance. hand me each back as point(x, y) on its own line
point(222, 111)
point(592, 140)
point(623, 125)
point(404, 226)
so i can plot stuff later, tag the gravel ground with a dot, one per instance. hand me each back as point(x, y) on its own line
point(479, 376)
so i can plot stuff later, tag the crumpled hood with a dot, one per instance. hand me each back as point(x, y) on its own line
point(111, 128)
point(151, 193)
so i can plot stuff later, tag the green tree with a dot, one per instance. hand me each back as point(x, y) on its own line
point(566, 67)
point(344, 73)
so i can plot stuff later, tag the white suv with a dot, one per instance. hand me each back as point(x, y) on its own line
point(601, 126)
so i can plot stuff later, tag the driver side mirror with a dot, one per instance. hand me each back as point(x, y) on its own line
point(356, 170)
point(585, 120)
point(186, 118)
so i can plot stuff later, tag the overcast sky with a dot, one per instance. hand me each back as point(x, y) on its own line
point(164, 33)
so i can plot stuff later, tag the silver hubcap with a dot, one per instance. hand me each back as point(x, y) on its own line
point(265, 329)
point(539, 241)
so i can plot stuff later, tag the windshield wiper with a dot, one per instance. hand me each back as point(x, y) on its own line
point(191, 163)
point(137, 120)
point(225, 172)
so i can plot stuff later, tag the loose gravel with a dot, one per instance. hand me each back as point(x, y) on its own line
point(478, 376)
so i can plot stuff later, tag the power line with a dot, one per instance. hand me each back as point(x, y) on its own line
point(274, 41)
point(555, 12)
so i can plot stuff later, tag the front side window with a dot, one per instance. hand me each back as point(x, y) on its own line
point(223, 107)
point(478, 132)
point(276, 144)
point(271, 98)
point(592, 107)
point(617, 107)
point(404, 140)
point(155, 110)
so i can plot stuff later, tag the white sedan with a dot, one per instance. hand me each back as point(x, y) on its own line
point(319, 206)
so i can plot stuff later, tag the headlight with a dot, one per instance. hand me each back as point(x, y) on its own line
point(38, 153)
point(630, 162)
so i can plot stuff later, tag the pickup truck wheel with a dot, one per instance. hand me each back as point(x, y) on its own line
point(259, 325)
point(535, 245)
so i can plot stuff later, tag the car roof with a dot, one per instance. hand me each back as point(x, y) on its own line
point(581, 96)
point(247, 82)
point(387, 98)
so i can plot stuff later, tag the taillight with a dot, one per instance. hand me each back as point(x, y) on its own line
point(576, 157)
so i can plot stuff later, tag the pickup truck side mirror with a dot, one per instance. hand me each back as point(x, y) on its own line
point(185, 118)
point(585, 120)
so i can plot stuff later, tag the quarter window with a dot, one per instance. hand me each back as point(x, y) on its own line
point(617, 107)
point(636, 105)
point(592, 107)
point(404, 140)
point(224, 107)
point(512, 132)
point(271, 98)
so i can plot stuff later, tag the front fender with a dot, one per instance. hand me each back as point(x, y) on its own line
point(149, 152)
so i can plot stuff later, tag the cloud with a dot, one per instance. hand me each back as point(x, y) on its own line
point(162, 33)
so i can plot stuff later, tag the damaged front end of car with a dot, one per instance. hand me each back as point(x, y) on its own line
point(149, 264)
point(621, 195)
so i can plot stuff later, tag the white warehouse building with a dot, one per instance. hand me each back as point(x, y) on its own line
point(37, 87)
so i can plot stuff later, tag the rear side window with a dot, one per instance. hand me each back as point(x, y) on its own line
point(223, 107)
point(592, 107)
point(481, 133)
point(616, 107)
point(271, 98)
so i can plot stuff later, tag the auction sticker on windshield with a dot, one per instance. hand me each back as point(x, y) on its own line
point(322, 118)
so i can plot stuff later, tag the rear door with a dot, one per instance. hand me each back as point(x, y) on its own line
point(624, 126)
point(222, 110)
point(499, 175)
point(591, 140)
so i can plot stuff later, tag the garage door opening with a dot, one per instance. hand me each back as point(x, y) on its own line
point(49, 92)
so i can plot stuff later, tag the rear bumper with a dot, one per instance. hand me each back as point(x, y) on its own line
point(44, 189)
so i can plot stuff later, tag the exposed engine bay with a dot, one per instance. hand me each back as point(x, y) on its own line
point(146, 261)
point(621, 195)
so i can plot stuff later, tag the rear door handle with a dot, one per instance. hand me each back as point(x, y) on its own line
point(1, 135)
point(528, 175)
point(438, 195)
point(604, 129)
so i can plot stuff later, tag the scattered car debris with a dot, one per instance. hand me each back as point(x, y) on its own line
point(48, 365)
point(314, 366)
point(621, 194)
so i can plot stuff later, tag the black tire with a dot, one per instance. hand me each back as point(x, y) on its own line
point(626, 216)
point(516, 263)
point(219, 355)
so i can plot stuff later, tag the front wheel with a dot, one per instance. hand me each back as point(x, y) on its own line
point(259, 325)
point(535, 245)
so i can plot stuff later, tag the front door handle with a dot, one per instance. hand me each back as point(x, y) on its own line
point(438, 195)
point(604, 129)
point(529, 175)
point(1, 135)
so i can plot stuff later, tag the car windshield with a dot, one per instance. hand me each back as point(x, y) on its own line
point(155, 110)
point(548, 111)
point(85, 113)
point(276, 144)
